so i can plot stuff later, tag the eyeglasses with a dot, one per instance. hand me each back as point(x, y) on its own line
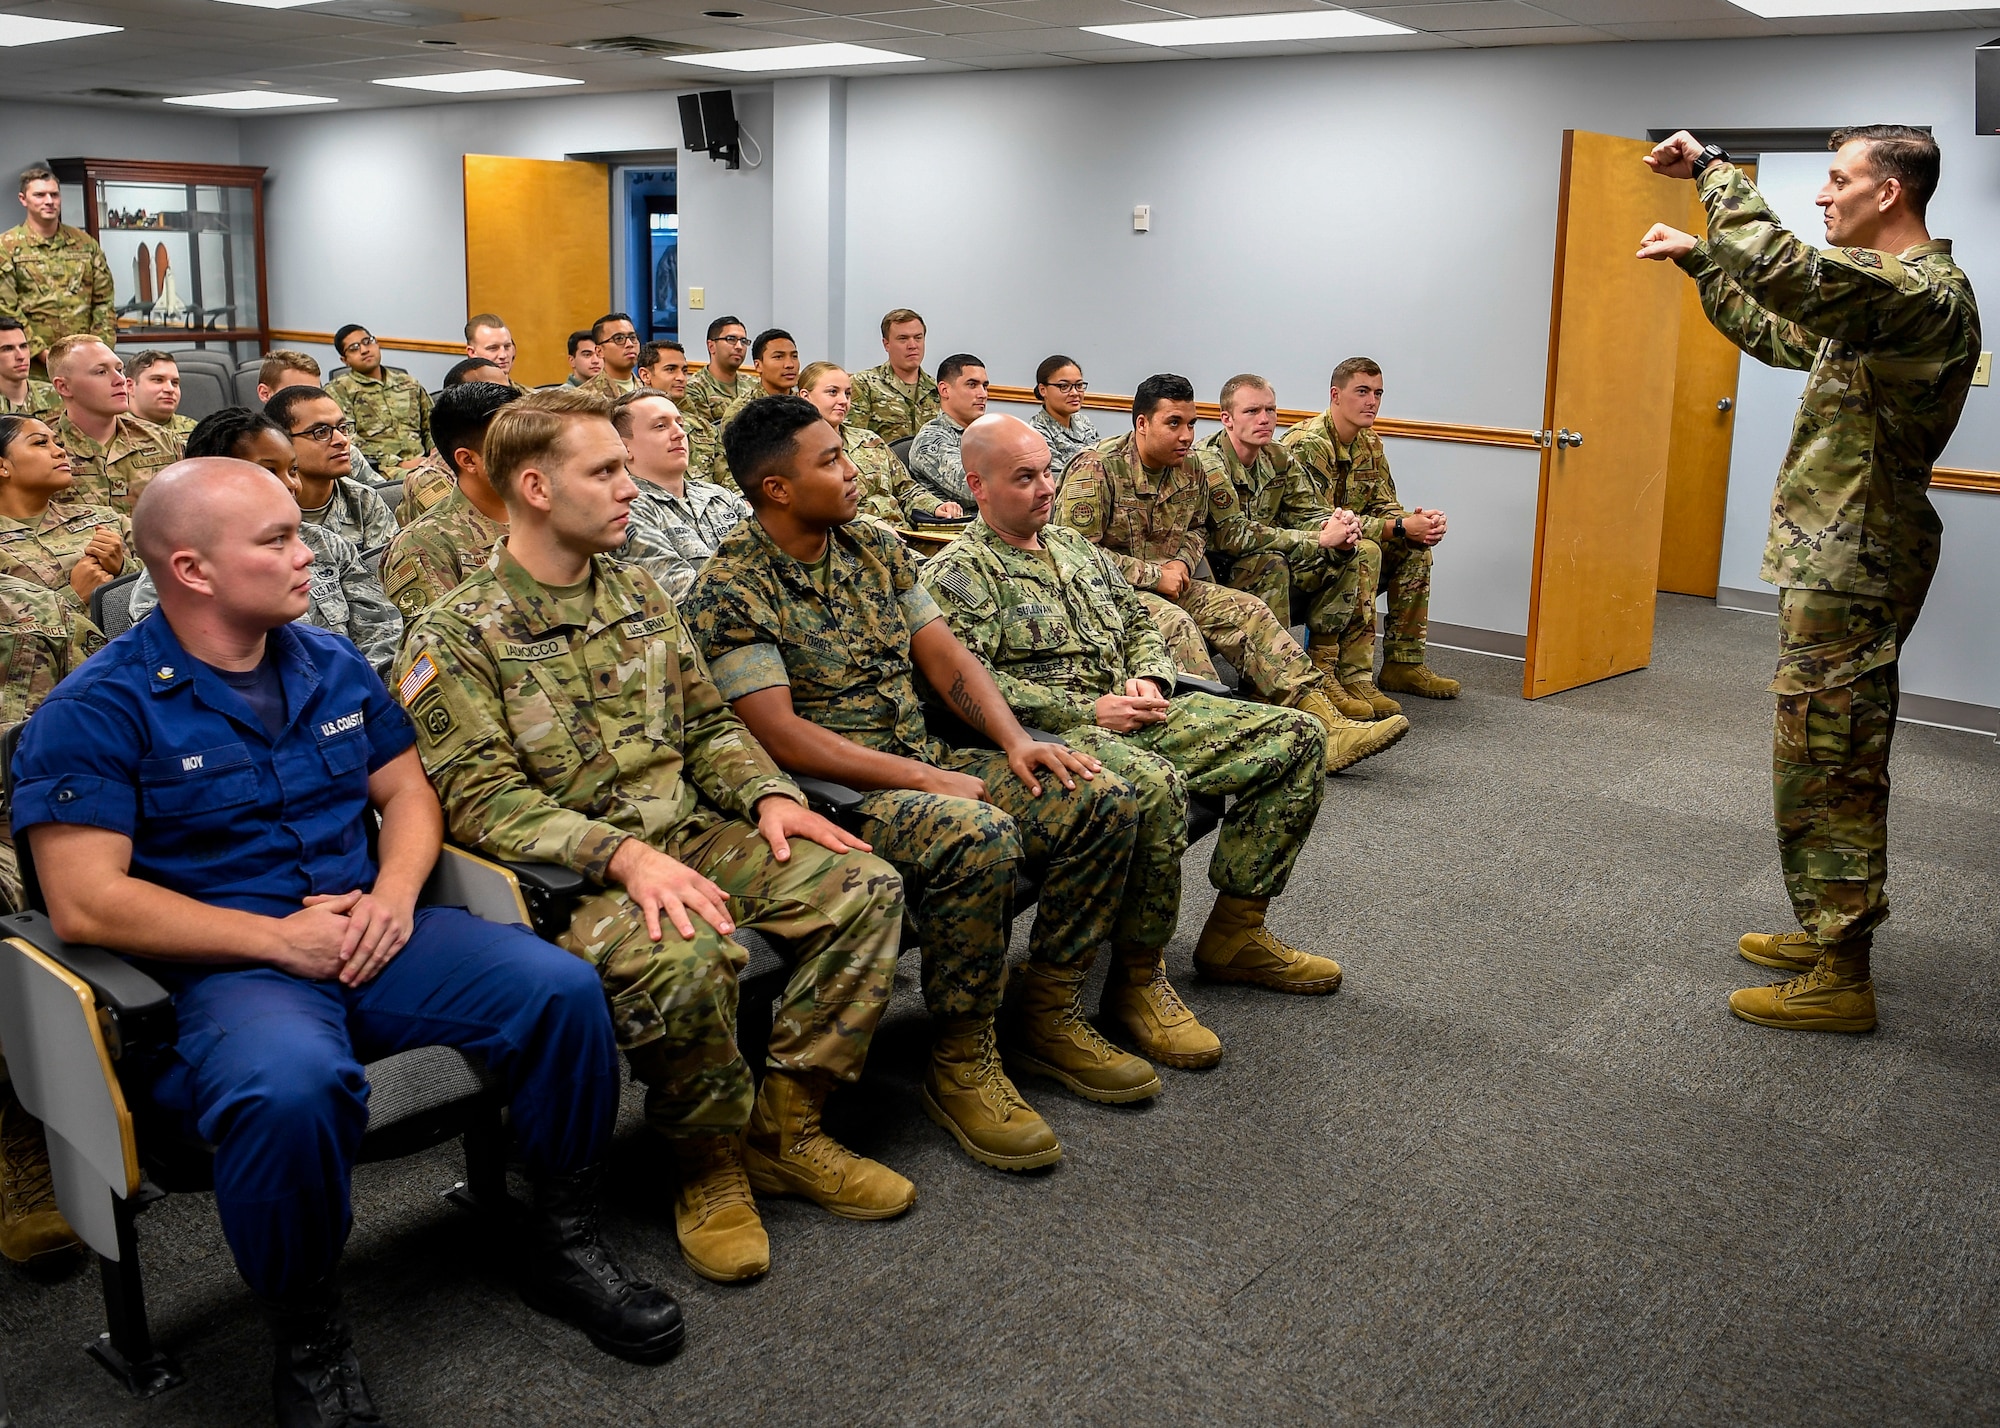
point(1068, 387)
point(357, 344)
point(734, 341)
point(320, 433)
point(631, 337)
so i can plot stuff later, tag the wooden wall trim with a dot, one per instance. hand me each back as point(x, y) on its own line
point(387, 344)
point(1289, 416)
point(1945, 478)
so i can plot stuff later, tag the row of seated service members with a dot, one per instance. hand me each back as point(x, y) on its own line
point(565, 709)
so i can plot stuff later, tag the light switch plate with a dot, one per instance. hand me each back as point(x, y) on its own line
point(1142, 218)
point(1982, 375)
point(697, 298)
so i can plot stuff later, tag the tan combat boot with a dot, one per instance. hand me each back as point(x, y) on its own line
point(1235, 946)
point(1054, 1040)
point(1787, 951)
point(1418, 678)
point(1326, 659)
point(1362, 686)
point(966, 1091)
point(30, 1223)
point(1348, 741)
point(1836, 995)
point(787, 1153)
point(1139, 998)
point(715, 1216)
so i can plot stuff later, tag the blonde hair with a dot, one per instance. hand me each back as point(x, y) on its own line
point(530, 432)
point(814, 372)
point(60, 349)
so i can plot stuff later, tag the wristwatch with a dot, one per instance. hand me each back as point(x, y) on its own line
point(1708, 155)
point(1399, 528)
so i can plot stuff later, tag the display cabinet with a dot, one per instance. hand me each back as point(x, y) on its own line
point(185, 243)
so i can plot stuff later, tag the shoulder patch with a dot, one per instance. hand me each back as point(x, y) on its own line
point(420, 677)
point(953, 581)
point(1083, 512)
point(434, 721)
point(1864, 257)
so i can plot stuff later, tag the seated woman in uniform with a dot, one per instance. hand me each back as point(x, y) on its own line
point(67, 547)
point(888, 492)
point(1059, 387)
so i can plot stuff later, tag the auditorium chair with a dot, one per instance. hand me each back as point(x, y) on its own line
point(73, 1016)
point(111, 605)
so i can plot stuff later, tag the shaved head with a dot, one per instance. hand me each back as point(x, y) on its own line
point(995, 444)
point(184, 506)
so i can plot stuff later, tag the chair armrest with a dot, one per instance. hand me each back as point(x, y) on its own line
point(135, 1011)
point(552, 893)
point(1194, 684)
point(826, 797)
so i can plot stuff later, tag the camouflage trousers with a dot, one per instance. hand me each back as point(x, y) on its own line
point(10, 876)
point(958, 858)
point(673, 1002)
point(1273, 761)
point(1182, 634)
point(1837, 691)
point(1241, 628)
point(1403, 569)
point(1329, 592)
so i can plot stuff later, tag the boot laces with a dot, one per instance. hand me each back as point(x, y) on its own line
point(993, 1082)
point(334, 1377)
point(718, 1180)
point(1070, 1019)
point(26, 1180)
point(1170, 1003)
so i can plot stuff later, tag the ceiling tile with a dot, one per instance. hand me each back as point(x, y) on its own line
point(1496, 15)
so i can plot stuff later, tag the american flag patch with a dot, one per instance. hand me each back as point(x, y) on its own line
point(418, 679)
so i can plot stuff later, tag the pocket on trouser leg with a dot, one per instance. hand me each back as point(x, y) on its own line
point(1815, 728)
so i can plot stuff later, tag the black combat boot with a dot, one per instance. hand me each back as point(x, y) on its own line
point(572, 1276)
point(317, 1382)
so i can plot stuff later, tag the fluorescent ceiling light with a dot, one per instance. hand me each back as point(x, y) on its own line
point(477, 81)
point(798, 57)
point(28, 30)
point(1807, 9)
point(1250, 29)
point(250, 99)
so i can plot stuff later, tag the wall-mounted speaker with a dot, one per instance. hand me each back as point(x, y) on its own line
point(1986, 87)
point(708, 124)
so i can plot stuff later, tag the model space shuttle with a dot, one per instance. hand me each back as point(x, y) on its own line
point(159, 290)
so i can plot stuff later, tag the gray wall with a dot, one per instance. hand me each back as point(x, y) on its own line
point(366, 210)
point(31, 133)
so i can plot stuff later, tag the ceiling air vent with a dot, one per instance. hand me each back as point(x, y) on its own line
point(641, 45)
point(124, 93)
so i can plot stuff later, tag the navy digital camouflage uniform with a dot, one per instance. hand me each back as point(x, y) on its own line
point(557, 727)
point(839, 636)
point(1062, 628)
point(1890, 342)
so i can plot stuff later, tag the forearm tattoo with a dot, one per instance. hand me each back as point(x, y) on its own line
point(968, 708)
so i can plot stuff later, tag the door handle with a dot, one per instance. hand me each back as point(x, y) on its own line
point(1725, 404)
point(1569, 438)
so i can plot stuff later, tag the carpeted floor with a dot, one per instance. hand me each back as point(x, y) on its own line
point(1523, 1168)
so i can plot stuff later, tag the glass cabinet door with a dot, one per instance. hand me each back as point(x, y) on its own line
point(183, 256)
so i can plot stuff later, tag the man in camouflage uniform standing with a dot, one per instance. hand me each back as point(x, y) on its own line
point(446, 545)
point(20, 392)
point(1282, 542)
point(1072, 649)
point(898, 398)
point(41, 640)
point(54, 277)
point(112, 453)
point(816, 627)
point(565, 716)
point(1145, 499)
point(1344, 456)
point(1886, 324)
point(677, 521)
point(390, 409)
point(723, 382)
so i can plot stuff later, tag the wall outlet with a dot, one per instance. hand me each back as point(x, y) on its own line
point(1142, 218)
point(1982, 375)
point(697, 298)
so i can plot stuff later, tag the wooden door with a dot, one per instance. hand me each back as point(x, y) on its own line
point(538, 253)
point(1704, 429)
point(1609, 404)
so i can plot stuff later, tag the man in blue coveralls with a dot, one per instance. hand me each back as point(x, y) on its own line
point(195, 798)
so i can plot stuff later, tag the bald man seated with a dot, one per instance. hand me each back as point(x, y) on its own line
point(196, 799)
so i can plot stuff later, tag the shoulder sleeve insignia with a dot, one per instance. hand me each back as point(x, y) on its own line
point(436, 722)
point(1864, 257)
point(420, 678)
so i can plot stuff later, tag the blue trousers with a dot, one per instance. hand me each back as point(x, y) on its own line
point(267, 1069)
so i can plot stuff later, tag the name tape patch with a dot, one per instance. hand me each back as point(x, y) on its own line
point(342, 724)
point(540, 649)
point(639, 629)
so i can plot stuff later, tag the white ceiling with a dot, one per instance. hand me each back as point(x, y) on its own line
point(337, 47)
